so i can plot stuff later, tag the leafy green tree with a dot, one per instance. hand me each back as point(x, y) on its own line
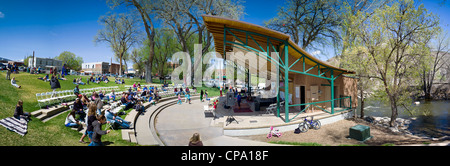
point(353, 13)
point(71, 60)
point(25, 61)
point(395, 39)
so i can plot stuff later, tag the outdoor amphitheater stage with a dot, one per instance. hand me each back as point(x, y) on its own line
point(247, 121)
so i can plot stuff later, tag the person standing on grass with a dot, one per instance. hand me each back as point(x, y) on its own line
point(8, 72)
point(91, 118)
point(98, 132)
point(54, 84)
point(13, 82)
point(99, 104)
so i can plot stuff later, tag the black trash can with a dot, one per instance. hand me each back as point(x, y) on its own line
point(257, 106)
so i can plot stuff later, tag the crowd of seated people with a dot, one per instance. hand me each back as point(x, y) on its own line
point(119, 81)
point(98, 79)
point(78, 81)
point(133, 98)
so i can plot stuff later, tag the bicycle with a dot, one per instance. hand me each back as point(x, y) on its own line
point(307, 124)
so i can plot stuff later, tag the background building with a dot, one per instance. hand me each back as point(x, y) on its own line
point(95, 67)
point(114, 68)
point(45, 63)
point(100, 68)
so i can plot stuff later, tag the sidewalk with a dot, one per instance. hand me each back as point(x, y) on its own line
point(176, 125)
point(445, 143)
point(233, 141)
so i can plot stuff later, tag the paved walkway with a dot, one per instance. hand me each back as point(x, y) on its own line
point(177, 123)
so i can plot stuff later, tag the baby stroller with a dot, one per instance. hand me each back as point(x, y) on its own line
point(273, 132)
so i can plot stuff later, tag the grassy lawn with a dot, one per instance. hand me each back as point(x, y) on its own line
point(52, 132)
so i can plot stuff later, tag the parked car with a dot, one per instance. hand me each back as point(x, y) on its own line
point(210, 83)
point(2, 66)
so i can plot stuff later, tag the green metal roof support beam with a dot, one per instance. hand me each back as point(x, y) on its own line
point(251, 49)
point(332, 92)
point(234, 35)
point(296, 62)
point(295, 71)
point(276, 51)
point(338, 75)
point(327, 70)
point(286, 82)
point(224, 51)
point(317, 65)
point(278, 82)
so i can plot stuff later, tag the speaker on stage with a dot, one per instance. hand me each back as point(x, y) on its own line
point(230, 99)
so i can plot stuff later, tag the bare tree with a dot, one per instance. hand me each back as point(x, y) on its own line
point(184, 18)
point(309, 23)
point(144, 9)
point(434, 62)
point(120, 31)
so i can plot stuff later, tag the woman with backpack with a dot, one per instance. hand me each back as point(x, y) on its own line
point(54, 84)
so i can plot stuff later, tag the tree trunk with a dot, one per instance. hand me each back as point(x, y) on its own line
point(362, 107)
point(148, 69)
point(120, 64)
point(361, 94)
point(394, 111)
point(150, 31)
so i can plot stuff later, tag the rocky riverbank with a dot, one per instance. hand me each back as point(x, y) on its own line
point(401, 126)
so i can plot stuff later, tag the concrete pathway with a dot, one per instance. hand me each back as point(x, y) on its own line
point(233, 141)
point(445, 143)
point(144, 133)
point(176, 125)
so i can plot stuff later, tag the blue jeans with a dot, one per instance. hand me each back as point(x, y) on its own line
point(96, 144)
point(71, 125)
point(89, 133)
point(179, 102)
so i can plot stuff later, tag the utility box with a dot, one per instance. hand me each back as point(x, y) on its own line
point(360, 132)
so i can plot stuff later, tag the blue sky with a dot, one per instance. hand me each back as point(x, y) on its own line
point(50, 27)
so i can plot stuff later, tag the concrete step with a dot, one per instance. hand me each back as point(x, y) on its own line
point(132, 137)
point(126, 134)
point(36, 113)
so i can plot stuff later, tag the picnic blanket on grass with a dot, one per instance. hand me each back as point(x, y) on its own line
point(16, 125)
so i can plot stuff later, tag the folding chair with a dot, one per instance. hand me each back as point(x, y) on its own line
point(111, 125)
point(271, 108)
point(39, 99)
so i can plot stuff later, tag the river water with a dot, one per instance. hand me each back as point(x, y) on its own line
point(432, 117)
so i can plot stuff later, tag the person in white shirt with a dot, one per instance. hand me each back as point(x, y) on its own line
point(13, 82)
point(71, 122)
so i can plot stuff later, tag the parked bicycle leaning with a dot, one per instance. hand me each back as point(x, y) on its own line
point(307, 124)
